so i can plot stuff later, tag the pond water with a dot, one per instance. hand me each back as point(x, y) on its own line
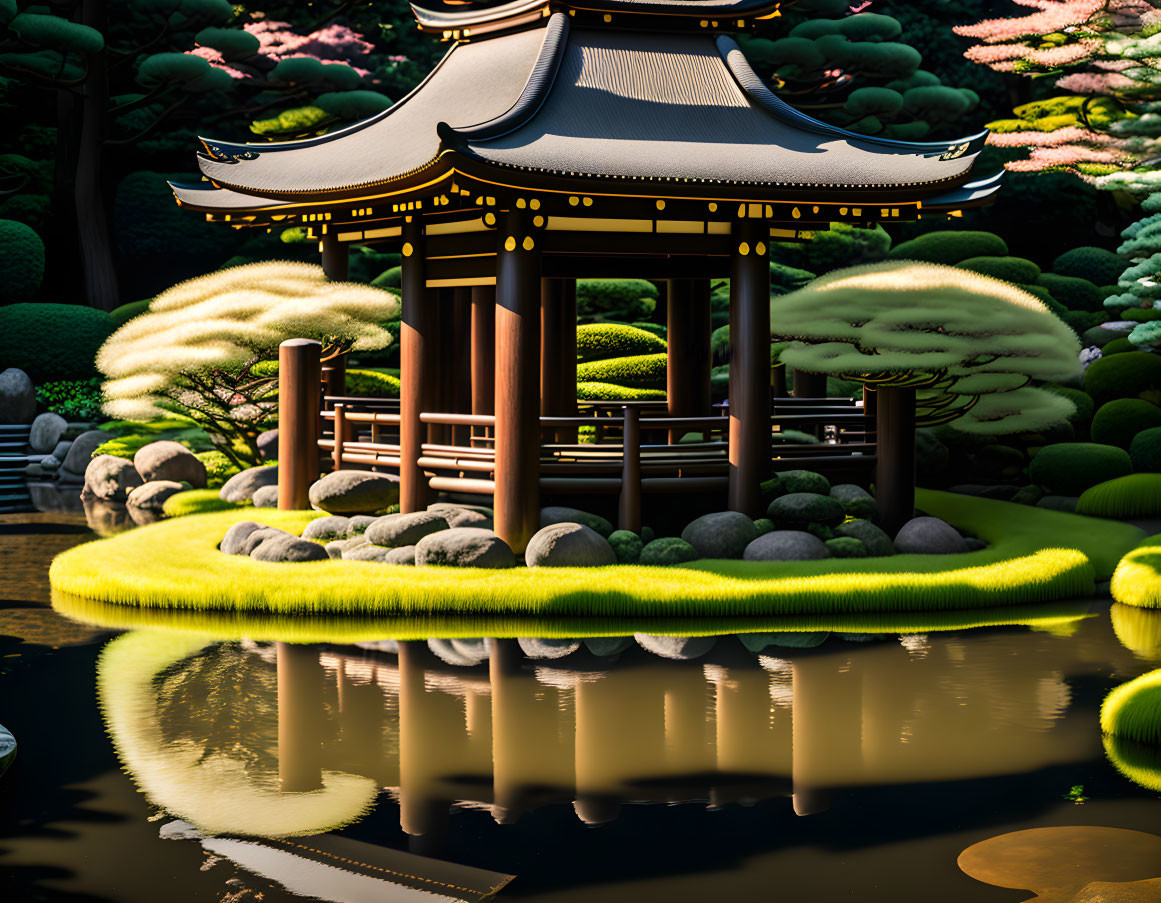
point(163, 764)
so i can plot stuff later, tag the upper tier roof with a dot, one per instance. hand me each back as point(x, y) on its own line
point(622, 107)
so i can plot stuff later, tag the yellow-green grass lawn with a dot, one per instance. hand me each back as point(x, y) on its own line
point(1035, 556)
point(1137, 579)
point(1131, 724)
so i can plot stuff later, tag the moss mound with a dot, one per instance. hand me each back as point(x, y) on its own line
point(1011, 269)
point(1131, 375)
point(1133, 710)
point(950, 246)
point(1082, 401)
point(21, 262)
point(126, 312)
point(1135, 495)
point(1087, 262)
point(1118, 422)
point(372, 383)
point(641, 371)
point(1073, 292)
point(219, 468)
point(623, 300)
point(597, 391)
point(53, 341)
point(1069, 468)
point(601, 341)
point(1141, 315)
point(196, 501)
point(1145, 451)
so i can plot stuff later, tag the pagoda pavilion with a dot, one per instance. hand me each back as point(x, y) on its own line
point(560, 139)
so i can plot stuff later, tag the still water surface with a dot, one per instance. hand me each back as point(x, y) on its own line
point(164, 765)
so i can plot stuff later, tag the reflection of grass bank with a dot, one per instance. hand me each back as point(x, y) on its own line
point(1137, 580)
point(1035, 556)
point(1131, 723)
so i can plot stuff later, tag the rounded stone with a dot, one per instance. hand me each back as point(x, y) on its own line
point(667, 550)
point(560, 515)
point(804, 481)
point(797, 509)
point(17, 397)
point(876, 541)
point(242, 486)
point(404, 555)
point(453, 653)
point(724, 534)
point(50, 463)
point(106, 518)
point(166, 460)
point(287, 547)
point(152, 495)
point(355, 492)
point(547, 649)
point(568, 545)
point(463, 515)
point(265, 497)
point(627, 546)
point(404, 529)
point(47, 430)
point(357, 525)
point(255, 538)
point(81, 452)
point(929, 536)
point(60, 451)
point(335, 548)
point(268, 445)
point(111, 478)
point(238, 533)
point(846, 547)
point(464, 547)
point(364, 551)
point(786, 545)
point(326, 528)
point(856, 501)
point(676, 647)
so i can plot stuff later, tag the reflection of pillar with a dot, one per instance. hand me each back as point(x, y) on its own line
point(746, 740)
point(300, 718)
point(689, 746)
point(826, 725)
point(426, 746)
point(361, 725)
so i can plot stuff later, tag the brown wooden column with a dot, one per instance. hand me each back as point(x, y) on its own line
point(517, 493)
point(298, 421)
point(749, 365)
point(687, 370)
point(558, 352)
point(483, 349)
point(809, 385)
point(895, 467)
point(443, 347)
point(459, 374)
point(417, 353)
point(336, 266)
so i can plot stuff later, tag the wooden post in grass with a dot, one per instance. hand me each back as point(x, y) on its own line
point(340, 435)
point(629, 509)
point(895, 467)
point(299, 378)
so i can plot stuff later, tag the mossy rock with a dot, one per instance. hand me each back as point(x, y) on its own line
point(763, 525)
point(53, 341)
point(642, 371)
point(1092, 263)
point(950, 246)
point(1010, 269)
point(1118, 422)
point(1069, 468)
point(626, 545)
point(1099, 336)
point(1119, 346)
point(795, 510)
point(1145, 451)
point(667, 550)
point(1133, 374)
point(21, 263)
point(846, 547)
point(1073, 292)
point(804, 481)
point(1082, 401)
point(126, 312)
point(1133, 495)
point(601, 341)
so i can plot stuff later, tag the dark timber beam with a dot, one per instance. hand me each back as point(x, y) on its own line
point(687, 371)
point(483, 349)
point(749, 365)
point(558, 352)
point(809, 385)
point(459, 368)
point(517, 494)
point(336, 267)
point(417, 364)
point(895, 465)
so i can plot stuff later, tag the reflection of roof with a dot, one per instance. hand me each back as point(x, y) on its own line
point(620, 106)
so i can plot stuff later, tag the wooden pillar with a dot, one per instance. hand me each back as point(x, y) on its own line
point(483, 349)
point(749, 365)
point(417, 362)
point(336, 266)
point(443, 347)
point(629, 503)
point(778, 381)
point(300, 716)
point(895, 467)
point(460, 363)
point(558, 352)
point(809, 385)
point(687, 369)
point(298, 418)
point(517, 492)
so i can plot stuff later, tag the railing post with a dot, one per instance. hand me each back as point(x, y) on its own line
point(298, 418)
point(340, 435)
point(629, 514)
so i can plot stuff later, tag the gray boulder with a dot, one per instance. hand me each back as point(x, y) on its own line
point(110, 478)
point(547, 649)
point(151, 496)
point(676, 647)
point(604, 646)
point(166, 460)
point(463, 515)
point(724, 534)
point(238, 533)
point(856, 501)
point(464, 547)
point(366, 552)
point(786, 545)
point(50, 463)
point(47, 430)
point(562, 515)
point(756, 642)
point(60, 451)
point(143, 517)
point(268, 445)
point(106, 518)
point(259, 536)
point(568, 545)
point(326, 528)
point(265, 497)
point(355, 492)
point(335, 548)
point(242, 486)
point(452, 653)
point(404, 529)
point(929, 536)
point(81, 452)
point(797, 509)
point(17, 397)
point(286, 547)
point(667, 550)
point(877, 542)
point(357, 525)
point(404, 555)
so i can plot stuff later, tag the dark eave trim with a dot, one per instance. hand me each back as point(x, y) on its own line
point(749, 82)
point(433, 18)
point(971, 194)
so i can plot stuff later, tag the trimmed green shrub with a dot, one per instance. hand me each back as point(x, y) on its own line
point(1099, 336)
point(1119, 346)
point(196, 501)
point(1082, 401)
point(1145, 451)
point(615, 299)
point(372, 383)
point(804, 481)
point(1086, 262)
point(597, 391)
point(1074, 293)
point(1011, 269)
point(390, 278)
point(1141, 314)
point(601, 341)
point(1134, 495)
point(53, 341)
point(1082, 320)
point(641, 371)
point(656, 328)
point(667, 550)
point(627, 545)
point(1069, 468)
point(1133, 374)
point(950, 246)
point(21, 262)
point(124, 446)
point(785, 278)
point(1132, 711)
point(720, 345)
point(1117, 422)
point(219, 468)
point(73, 399)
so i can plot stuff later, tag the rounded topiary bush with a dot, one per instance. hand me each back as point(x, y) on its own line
point(1145, 451)
point(640, 371)
point(1087, 262)
point(667, 550)
point(624, 300)
point(1118, 422)
point(1082, 402)
point(1142, 314)
point(1073, 292)
point(21, 262)
point(53, 341)
point(596, 391)
point(126, 312)
point(950, 246)
point(601, 341)
point(1134, 495)
point(1118, 346)
point(372, 384)
point(1132, 711)
point(1069, 468)
point(1011, 269)
point(1130, 375)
